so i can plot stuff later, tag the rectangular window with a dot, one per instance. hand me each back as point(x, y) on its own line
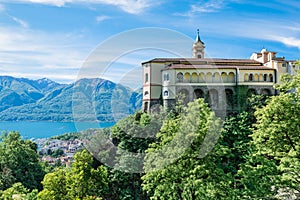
point(146, 78)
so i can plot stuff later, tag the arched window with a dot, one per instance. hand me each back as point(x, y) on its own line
point(224, 77)
point(187, 77)
point(266, 92)
point(231, 77)
point(166, 93)
point(166, 77)
point(198, 93)
point(246, 78)
point(194, 77)
point(271, 78)
point(146, 78)
point(251, 77)
point(251, 92)
point(216, 77)
point(146, 93)
point(180, 77)
point(265, 77)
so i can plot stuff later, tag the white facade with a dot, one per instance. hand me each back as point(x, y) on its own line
point(216, 80)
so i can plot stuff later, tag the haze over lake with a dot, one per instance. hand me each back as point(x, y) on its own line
point(48, 129)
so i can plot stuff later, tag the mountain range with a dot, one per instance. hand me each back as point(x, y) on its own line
point(93, 99)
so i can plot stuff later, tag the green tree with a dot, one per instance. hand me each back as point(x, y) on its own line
point(18, 191)
point(83, 180)
point(132, 136)
point(19, 162)
point(184, 163)
point(274, 166)
point(54, 185)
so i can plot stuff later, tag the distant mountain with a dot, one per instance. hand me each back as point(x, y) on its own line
point(23, 99)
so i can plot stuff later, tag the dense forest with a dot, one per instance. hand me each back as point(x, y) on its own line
point(187, 153)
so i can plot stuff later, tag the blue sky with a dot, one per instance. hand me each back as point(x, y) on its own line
point(55, 38)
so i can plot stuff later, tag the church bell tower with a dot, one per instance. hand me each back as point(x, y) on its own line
point(198, 47)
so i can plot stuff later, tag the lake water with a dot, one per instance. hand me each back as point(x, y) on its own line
point(31, 130)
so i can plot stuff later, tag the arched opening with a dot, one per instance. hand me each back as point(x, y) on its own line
point(180, 77)
point(183, 95)
point(198, 93)
point(261, 78)
point(202, 78)
point(229, 98)
point(146, 104)
point(187, 77)
point(271, 77)
point(251, 92)
point(166, 93)
point(246, 78)
point(208, 78)
point(256, 78)
point(224, 77)
point(265, 77)
point(231, 77)
point(146, 93)
point(216, 77)
point(251, 77)
point(194, 77)
point(266, 92)
point(213, 98)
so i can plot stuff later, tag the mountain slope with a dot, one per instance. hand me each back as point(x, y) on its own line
point(84, 100)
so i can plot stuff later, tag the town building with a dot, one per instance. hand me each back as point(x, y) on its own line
point(218, 80)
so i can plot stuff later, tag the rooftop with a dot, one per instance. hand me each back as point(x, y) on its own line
point(182, 66)
point(205, 61)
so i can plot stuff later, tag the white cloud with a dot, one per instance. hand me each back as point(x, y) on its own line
point(20, 21)
point(129, 6)
point(208, 7)
point(288, 41)
point(37, 54)
point(102, 18)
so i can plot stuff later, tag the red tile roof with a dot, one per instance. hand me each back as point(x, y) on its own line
point(182, 66)
point(215, 61)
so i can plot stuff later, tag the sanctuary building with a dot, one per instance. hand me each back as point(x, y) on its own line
point(218, 81)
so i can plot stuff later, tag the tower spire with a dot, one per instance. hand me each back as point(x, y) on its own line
point(198, 47)
point(198, 37)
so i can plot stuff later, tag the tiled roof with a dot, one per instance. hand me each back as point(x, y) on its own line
point(216, 61)
point(182, 66)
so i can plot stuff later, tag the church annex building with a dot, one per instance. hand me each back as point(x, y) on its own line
point(215, 79)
